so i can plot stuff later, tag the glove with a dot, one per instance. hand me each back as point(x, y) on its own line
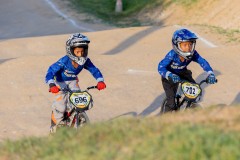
point(211, 79)
point(101, 85)
point(175, 78)
point(53, 88)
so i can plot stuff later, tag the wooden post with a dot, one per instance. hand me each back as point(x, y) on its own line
point(118, 7)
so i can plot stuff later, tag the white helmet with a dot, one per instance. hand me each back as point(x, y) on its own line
point(77, 40)
point(183, 35)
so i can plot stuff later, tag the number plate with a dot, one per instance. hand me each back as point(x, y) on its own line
point(190, 90)
point(81, 99)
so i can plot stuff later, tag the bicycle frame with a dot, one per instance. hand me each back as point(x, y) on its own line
point(192, 94)
point(79, 102)
point(188, 99)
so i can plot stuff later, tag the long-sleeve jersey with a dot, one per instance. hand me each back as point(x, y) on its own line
point(172, 64)
point(63, 70)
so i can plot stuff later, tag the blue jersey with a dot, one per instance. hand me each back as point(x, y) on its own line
point(63, 70)
point(172, 64)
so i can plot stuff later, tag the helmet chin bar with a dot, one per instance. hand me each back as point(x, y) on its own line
point(186, 55)
point(81, 60)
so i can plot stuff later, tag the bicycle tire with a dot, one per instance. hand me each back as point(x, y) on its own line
point(196, 106)
point(82, 119)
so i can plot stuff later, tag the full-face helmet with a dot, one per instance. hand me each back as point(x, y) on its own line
point(184, 35)
point(74, 41)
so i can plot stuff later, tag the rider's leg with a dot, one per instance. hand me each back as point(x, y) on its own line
point(61, 100)
point(170, 89)
point(73, 85)
point(58, 108)
point(187, 75)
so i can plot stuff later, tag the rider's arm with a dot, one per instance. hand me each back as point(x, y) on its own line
point(52, 70)
point(202, 62)
point(162, 66)
point(93, 70)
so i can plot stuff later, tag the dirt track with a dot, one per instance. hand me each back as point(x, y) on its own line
point(30, 18)
point(129, 64)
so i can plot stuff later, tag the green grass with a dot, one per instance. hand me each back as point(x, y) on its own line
point(229, 35)
point(105, 10)
point(135, 139)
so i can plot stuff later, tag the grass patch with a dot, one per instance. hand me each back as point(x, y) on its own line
point(135, 139)
point(232, 35)
point(185, 3)
point(105, 10)
point(229, 35)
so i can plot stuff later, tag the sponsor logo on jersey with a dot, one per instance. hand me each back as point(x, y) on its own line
point(68, 73)
point(176, 66)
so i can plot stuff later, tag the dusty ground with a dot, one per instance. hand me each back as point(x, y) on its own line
point(128, 63)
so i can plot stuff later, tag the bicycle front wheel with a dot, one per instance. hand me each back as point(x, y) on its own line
point(196, 106)
point(82, 119)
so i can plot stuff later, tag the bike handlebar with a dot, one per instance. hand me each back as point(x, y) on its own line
point(92, 87)
point(67, 89)
point(203, 81)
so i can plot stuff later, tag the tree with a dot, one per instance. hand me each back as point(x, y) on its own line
point(118, 7)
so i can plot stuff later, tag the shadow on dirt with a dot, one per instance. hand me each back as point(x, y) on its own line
point(236, 101)
point(133, 39)
point(5, 60)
